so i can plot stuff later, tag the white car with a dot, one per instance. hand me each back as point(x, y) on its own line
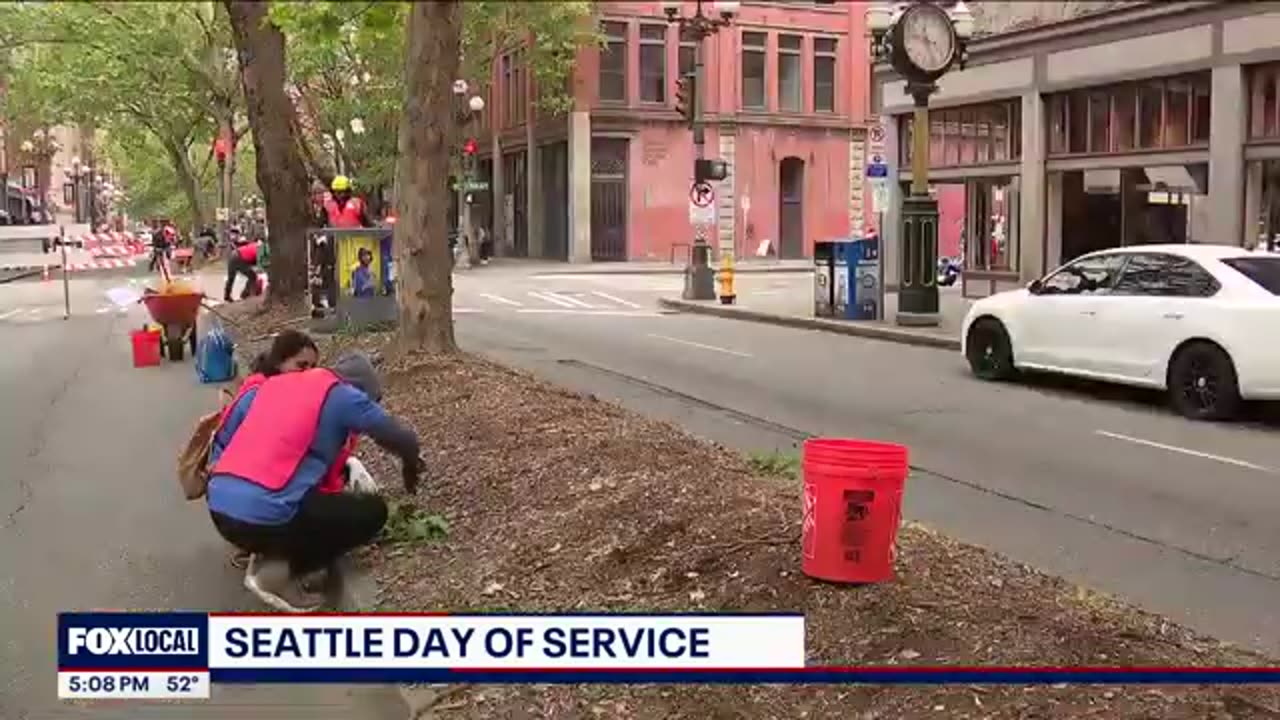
point(1201, 322)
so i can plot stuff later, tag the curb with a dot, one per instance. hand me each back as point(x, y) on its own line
point(737, 269)
point(875, 332)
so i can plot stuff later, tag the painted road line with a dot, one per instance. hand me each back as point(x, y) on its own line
point(547, 297)
point(588, 313)
point(1185, 451)
point(570, 299)
point(464, 311)
point(690, 343)
point(103, 310)
point(611, 298)
point(10, 313)
point(502, 300)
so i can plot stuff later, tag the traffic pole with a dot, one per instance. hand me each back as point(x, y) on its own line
point(66, 281)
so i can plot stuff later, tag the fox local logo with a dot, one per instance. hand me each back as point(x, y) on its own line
point(133, 641)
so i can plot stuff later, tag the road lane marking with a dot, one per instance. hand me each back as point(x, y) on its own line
point(690, 343)
point(461, 310)
point(618, 300)
point(500, 299)
point(587, 313)
point(572, 300)
point(551, 299)
point(11, 313)
point(1185, 451)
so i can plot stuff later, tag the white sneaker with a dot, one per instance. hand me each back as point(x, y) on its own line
point(271, 581)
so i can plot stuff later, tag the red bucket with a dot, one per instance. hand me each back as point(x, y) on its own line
point(852, 508)
point(146, 348)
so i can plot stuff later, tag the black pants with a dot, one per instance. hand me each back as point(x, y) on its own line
point(236, 266)
point(326, 527)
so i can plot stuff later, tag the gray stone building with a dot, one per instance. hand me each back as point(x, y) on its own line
point(1079, 126)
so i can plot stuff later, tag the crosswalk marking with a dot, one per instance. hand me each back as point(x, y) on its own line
point(618, 300)
point(548, 297)
point(463, 311)
point(572, 300)
point(500, 299)
point(9, 314)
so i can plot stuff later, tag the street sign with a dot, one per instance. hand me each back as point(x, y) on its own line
point(702, 198)
point(876, 133)
point(471, 186)
point(879, 195)
point(877, 170)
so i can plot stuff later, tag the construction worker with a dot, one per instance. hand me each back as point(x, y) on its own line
point(341, 210)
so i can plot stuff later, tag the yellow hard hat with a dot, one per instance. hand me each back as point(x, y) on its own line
point(340, 183)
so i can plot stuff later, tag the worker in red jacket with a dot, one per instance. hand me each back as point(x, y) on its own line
point(342, 210)
point(241, 262)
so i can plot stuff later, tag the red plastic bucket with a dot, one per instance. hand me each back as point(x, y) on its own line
point(146, 348)
point(852, 508)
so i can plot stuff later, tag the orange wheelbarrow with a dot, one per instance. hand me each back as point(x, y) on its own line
point(176, 314)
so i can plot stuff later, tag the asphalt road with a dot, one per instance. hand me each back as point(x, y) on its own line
point(1102, 487)
point(91, 516)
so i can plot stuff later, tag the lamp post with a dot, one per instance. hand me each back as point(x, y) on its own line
point(921, 41)
point(41, 148)
point(699, 278)
point(222, 148)
point(75, 175)
point(467, 110)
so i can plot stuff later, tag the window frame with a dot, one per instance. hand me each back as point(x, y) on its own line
point(795, 54)
point(1121, 258)
point(650, 43)
point(623, 41)
point(763, 51)
point(831, 56)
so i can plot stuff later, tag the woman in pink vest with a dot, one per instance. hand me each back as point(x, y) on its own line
point(275, 488)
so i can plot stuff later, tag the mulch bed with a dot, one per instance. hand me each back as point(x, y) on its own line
point(557, 501)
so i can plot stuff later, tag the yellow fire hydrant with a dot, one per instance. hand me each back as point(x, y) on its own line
point(726, 280)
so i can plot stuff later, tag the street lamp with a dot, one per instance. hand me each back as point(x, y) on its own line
point(921, 41)
point(467, 111)
point(699, 278)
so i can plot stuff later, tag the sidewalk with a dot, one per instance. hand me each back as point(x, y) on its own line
point(551, 267)
point(794, 308)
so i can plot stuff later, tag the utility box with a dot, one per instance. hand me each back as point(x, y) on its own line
point(863, 296)
point(823, 267)
point(840, 276)
point(353, 277)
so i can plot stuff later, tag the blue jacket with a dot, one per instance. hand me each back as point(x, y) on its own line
point(346, 410)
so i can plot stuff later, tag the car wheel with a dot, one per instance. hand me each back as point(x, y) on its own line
point(989, 351)
point(1202, 383)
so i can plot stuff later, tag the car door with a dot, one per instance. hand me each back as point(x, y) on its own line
point(1057, 321)
point(1158, 301)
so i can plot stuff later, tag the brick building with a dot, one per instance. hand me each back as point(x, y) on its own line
point(785, 100)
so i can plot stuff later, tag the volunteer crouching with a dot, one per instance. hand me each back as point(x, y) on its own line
point(276, 484)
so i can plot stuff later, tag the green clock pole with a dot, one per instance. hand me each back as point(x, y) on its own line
point(918, 267)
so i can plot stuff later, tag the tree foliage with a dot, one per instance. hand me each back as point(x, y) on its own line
point(347, 62)
point(160, 68)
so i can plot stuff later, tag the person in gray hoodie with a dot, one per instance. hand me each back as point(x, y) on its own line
point(275, 487)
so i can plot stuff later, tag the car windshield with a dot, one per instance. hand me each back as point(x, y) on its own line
point(1264, 271)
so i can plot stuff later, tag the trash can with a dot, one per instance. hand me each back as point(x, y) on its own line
point(863, 297)
point(823, 266)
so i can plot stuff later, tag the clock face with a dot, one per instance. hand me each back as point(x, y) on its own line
point(928, 39)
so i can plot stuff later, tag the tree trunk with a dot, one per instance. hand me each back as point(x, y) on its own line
point(186, 175)
point(432, 48)
point(280, 171)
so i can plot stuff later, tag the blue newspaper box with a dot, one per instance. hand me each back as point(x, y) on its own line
point(862, 298)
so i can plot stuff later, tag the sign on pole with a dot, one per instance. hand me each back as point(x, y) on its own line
point(879, 195)
point(702, 208)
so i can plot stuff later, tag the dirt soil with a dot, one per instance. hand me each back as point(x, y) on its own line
point(557, 501)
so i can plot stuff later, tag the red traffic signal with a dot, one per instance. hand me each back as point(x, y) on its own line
point(685, 101)
point(221, 148)
point(471, 147)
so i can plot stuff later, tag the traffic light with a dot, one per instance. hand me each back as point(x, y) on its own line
point(705, 170)
point(471, 147)
point(686, 87)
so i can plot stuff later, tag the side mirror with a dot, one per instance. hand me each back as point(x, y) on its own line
point(1035, 286)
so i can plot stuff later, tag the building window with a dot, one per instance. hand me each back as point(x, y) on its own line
point(985, 133)
point(518, 90)
point(790, 75)
point(613, 63)
point(506, 91)
point(990, 237)
point(653, 63)
point(753, 74)
point(1163, 114)
point(824, 74)
point(1263, 101)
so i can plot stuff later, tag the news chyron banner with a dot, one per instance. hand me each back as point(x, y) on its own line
point(178, 655)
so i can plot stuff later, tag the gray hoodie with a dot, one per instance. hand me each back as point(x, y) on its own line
point(357, 369)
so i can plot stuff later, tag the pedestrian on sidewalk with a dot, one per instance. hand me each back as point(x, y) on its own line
point(276, 487)
point(241, 262)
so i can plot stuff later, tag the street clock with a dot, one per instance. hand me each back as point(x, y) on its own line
point(924, 42)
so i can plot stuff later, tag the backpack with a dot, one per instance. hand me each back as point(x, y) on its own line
point(193, 461)
point(215, 356)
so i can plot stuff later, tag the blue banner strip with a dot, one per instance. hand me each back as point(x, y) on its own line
point(805, 676)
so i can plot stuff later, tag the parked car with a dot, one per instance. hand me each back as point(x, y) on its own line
point(1197, 321)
